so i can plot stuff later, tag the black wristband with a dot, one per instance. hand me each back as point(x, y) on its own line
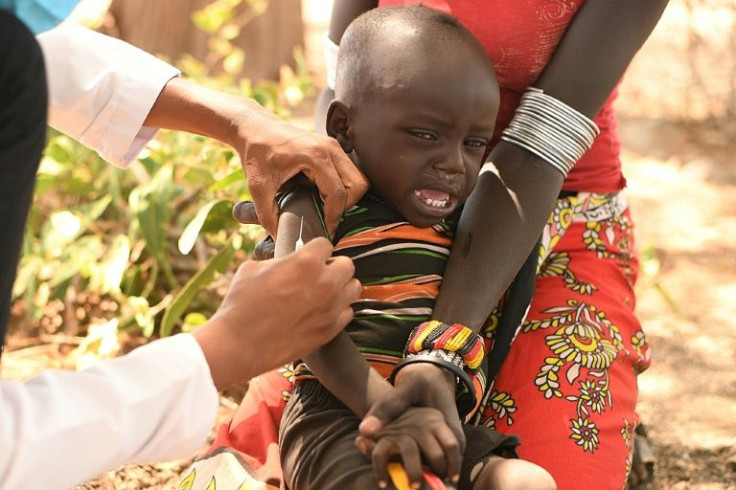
point(465, 398)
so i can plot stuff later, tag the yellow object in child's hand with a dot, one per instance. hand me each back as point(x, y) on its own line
point(398, 476)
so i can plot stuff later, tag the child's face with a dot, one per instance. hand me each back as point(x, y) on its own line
point(420, 137)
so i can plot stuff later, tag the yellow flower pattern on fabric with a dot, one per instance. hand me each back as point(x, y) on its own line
point(585, 434)
point(582, 341)
point(503, 406)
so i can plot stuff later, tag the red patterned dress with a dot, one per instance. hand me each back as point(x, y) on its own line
point(568, 386)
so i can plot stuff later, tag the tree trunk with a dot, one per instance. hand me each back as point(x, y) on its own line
point(164, 27)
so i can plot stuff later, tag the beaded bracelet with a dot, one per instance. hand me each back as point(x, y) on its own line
point(551, 130)
point(436, 335)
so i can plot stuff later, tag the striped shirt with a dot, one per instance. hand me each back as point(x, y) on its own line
point(400, 267)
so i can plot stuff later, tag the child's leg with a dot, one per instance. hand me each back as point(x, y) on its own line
point(510, 474)
point(317, 442)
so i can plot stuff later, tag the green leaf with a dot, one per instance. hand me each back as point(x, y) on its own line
point(213, 216)
point(218, 263)
point(60, 149)
point(198, 177)
point(94, 210)
point(233, 62)
point(149, 203)
point(111, 270)
point(228, 180)
point(62, 228)
point(27, 272)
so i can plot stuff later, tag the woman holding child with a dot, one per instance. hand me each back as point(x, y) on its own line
point(567, 385)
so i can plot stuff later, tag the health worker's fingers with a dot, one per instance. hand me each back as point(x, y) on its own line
point(266, 209)
point(321, 248)
point(341, 187)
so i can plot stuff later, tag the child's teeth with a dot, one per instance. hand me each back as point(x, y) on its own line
point(435, 203)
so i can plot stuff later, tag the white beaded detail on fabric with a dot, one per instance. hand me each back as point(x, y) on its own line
point(551, 130)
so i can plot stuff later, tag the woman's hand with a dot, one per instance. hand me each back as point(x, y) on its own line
point(418, 432)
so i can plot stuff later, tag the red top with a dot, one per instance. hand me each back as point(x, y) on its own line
point(520, 44)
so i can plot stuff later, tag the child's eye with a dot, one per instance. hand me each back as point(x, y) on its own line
point(476, 142)
point(422, 134)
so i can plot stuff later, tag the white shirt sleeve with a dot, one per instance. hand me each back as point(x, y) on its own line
point(101, 89)
point(63, 428)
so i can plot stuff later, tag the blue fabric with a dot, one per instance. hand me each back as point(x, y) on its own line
point(40, 15)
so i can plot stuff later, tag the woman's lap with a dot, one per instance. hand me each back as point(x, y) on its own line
point(568, 386)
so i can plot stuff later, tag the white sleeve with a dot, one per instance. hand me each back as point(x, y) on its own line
point(101, 89)
point(63, 428)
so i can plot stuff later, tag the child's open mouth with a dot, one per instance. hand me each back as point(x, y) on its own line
point(435, 203)
point(434, 198)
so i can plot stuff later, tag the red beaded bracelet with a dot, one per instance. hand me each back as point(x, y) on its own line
point(436, 335)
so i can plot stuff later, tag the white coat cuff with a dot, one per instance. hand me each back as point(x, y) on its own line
point(101, 90)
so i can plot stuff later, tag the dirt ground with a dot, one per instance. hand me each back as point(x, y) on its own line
point(682, 188)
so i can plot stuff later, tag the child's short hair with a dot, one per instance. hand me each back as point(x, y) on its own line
point(361, 37)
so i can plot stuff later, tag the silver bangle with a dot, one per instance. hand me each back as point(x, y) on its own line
point(551, 130)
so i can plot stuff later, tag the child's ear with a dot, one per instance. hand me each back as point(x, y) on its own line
point(338, 122)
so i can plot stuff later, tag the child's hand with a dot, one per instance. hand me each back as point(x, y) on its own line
point(417, 385)
point(417, 433)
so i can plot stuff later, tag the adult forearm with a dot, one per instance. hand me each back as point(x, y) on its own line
point(186, 106)
point(154, 404)
point(506, 213)
point(596, 49)
point(500, 224)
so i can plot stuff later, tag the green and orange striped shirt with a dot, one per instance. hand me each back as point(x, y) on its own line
point(400, 267)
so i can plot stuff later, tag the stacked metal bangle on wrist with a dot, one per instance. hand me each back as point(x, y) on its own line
point(551, 130)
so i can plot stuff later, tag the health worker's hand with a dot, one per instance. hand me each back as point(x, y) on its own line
point(306, 295)
point(273, 151)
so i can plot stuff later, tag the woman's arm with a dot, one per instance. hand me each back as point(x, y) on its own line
point(508, 208)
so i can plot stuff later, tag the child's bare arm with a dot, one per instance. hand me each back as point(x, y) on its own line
point(338, 365)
